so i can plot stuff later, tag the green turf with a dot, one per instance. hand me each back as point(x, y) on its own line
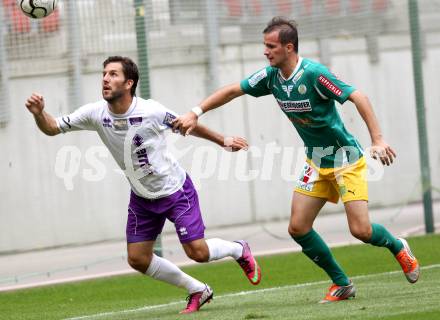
point(384, 296)
point(379, 296)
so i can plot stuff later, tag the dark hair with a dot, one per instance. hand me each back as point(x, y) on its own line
point(288, 32)
point(129, 68)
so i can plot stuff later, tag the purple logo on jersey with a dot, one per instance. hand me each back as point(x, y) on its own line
point(138, 140)
point(143, 158)
point(136, 121)
point(106, 122)
point(141, 154)
point(168, 120)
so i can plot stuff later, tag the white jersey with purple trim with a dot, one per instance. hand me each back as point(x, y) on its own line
point(136, 141)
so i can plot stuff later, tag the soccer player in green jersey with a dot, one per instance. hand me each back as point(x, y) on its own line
point(335, 166)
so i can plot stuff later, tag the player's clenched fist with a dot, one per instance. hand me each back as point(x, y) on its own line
point(35, 104)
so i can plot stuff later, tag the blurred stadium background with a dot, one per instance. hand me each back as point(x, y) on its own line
point(66, 190)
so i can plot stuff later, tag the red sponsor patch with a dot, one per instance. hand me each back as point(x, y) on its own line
point(307, 174)
point(330, 85)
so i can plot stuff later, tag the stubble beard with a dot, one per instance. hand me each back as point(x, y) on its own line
point(115, 96)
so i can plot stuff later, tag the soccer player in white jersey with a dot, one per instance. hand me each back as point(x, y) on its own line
point(133, 129)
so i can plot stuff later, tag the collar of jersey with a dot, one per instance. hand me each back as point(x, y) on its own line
point(298, 65)
point(129, 111)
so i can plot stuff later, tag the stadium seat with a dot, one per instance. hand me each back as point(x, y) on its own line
point(355, 6)
point(380, 5)
point(235, 8)
point(20, 23)
point(284, 7)
point(308, 7)
point(17, 21)
point(333, 7)
point(52, 22)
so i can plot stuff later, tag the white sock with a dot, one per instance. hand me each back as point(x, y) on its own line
point(219, 249)
point(163, 270)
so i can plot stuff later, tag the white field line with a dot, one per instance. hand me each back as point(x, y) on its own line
point(182, 263)
point(126, 271)
point(67, 280)
point(241, 293)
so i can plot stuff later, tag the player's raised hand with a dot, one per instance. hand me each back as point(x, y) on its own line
point(381, 150)
point(35, 104)
point(234, 144)
point(185, 123)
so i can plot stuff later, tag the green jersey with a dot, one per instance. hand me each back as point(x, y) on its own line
point(307, 98)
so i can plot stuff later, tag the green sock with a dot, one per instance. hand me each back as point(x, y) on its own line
point(317, 250)
point(380, 237)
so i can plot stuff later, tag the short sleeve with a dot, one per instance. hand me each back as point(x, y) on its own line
point(257, 84)
point(328, 85)
point(80, 119)
point(163, 116)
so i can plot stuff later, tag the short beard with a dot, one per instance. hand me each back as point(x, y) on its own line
point(114, 97)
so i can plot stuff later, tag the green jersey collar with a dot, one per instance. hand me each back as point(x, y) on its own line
point(298, 65)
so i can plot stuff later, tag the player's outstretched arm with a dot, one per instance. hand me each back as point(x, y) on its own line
point(45, 122)
point(379, 148)
point(229, 143)
point(187, 122)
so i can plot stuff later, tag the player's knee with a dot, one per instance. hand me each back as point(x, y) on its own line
point(296, 231)
point(199, 255)
point(362, 233)
point(139, 263)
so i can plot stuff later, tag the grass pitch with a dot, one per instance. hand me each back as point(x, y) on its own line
point(290, 289)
